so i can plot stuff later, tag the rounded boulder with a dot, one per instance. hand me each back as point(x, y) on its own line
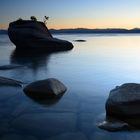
point(124, 103)
point(45, 89)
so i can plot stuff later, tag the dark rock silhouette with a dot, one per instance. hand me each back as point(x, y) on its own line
point(46, 102)
point(45, 89)
point(31, 34)
point(123, 104)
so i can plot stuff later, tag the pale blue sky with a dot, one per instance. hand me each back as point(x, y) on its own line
point(74, 13)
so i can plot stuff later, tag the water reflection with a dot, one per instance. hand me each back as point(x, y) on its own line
point(90, 71)
point(46, 102)
point(32, 59)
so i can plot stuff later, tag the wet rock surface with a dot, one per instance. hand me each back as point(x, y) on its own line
point(114, 125)
point(124, 101)
point(45, 89)
point(123, 104)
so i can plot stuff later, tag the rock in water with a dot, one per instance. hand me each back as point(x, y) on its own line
point(114, 125)
point(80, 40)
point(28, 34)
point(9, 67)
point(124, 103)
point(9, 82)
point(45, 89)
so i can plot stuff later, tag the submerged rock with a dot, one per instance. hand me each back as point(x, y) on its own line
point(9, 82)
point(123, 103)
point(11, 66)
point(114, 125)
point(45, 89)
point(29, 34)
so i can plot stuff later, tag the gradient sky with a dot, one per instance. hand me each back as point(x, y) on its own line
point(74, 13)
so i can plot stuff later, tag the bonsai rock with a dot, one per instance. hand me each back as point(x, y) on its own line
point(32, 34)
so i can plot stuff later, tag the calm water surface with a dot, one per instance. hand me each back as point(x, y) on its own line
point(89, 71)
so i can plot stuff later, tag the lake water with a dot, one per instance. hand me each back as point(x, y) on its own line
point(90, 70)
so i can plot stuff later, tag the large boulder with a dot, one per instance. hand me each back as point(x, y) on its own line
point(123, 103)
point(45, 89)
point(29, 34)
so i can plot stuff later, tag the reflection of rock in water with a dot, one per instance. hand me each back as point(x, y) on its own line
point(35, 62)
point(47, 102)
point(30, 58)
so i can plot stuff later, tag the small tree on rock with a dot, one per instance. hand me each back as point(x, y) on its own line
point(45, 19)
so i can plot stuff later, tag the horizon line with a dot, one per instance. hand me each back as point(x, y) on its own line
point(93, 28)
point(82, 28)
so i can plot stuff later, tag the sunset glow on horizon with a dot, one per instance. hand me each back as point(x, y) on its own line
point(74, 13)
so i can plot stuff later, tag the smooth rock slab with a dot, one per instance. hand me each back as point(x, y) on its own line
point(45, 89)
point(113, 126)
point(46, 124)
point(9, 82)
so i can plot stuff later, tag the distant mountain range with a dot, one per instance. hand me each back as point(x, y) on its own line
point(85, 30)
point(3, 31)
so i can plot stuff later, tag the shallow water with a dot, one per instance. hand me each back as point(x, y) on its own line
point(89, 71)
